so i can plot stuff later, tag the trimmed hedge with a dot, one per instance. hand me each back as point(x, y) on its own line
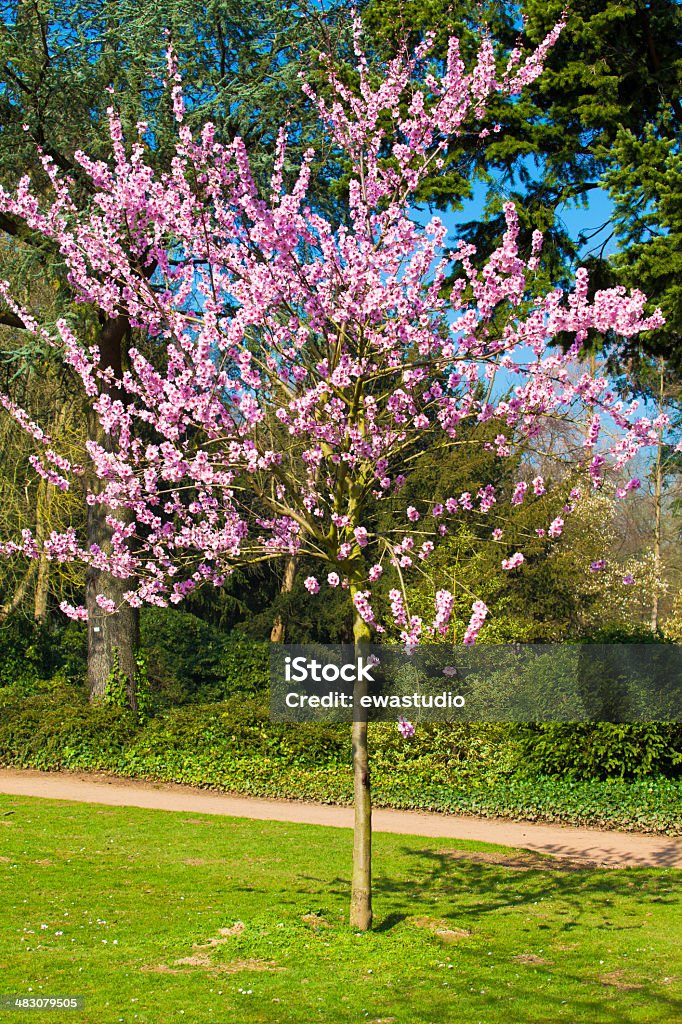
point(232, 746)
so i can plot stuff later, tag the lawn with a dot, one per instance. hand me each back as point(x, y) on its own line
point(157, 917)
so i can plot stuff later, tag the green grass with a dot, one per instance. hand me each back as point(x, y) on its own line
point(459, 938)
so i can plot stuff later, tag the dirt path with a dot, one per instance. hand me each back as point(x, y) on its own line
point(576, 845)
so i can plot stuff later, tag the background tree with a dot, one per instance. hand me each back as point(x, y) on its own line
point(605, 115)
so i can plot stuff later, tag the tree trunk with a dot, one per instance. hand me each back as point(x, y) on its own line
point(279, 625)
point(44, 497)
point(14, 603)
point(361, 885)
point(42, 590)
point(113, 639)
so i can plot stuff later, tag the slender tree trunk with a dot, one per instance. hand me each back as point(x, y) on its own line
point(658, 488)
point(361, 885)
point(279, 625)
point(42, 590)
point(113, 639)
point(44, 497)
point(19, 594)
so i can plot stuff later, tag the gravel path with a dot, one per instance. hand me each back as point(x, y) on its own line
point(571, 846)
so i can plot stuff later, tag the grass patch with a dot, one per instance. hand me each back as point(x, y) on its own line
point(161, 916)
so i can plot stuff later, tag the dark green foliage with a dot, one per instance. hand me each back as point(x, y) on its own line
point(645, 185)
point(190, 660)
point(606, 113)
point(308, 618)
point(602, 750)
point(31, 651)
point(25, 653)
point(56, 728)
point(621, 633)
point(239, 728)
point(240, 64)
point(183, 657)
point(651, 805)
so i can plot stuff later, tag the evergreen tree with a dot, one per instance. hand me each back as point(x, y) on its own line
point(606, 114)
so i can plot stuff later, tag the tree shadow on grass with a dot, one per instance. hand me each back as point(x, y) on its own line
point(491, 887)
point(464, 891)
point(386, 924)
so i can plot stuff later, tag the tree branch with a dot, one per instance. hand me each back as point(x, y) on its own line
point(19, 594)
point(11, 320)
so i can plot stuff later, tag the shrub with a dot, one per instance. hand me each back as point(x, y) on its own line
point(190, 661)
point(601, 750)
point(232, 745)
point(57, 728)
point(32, 651)
point(241, 727)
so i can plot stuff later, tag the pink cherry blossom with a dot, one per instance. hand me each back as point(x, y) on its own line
point(397, 607)
point(405, 728)
point(519, 492)
point(363, 606)
point(444, 604)
point(479, 612)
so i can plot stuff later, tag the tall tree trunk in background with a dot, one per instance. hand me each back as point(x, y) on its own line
point(113, 639)
point(658, 488)
point(44, 496)
point(279, 625)
point(361, 884)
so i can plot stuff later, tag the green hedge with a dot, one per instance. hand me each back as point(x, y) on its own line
point(57, 728)
point(189, 660)
point(232, 746)
point(31, 651)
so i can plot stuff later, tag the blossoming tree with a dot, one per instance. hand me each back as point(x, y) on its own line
point(293, 370)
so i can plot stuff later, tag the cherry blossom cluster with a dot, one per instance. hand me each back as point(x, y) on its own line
point(292, 368)
point(479, 613)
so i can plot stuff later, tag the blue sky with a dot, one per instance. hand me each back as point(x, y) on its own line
point(576, 219)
